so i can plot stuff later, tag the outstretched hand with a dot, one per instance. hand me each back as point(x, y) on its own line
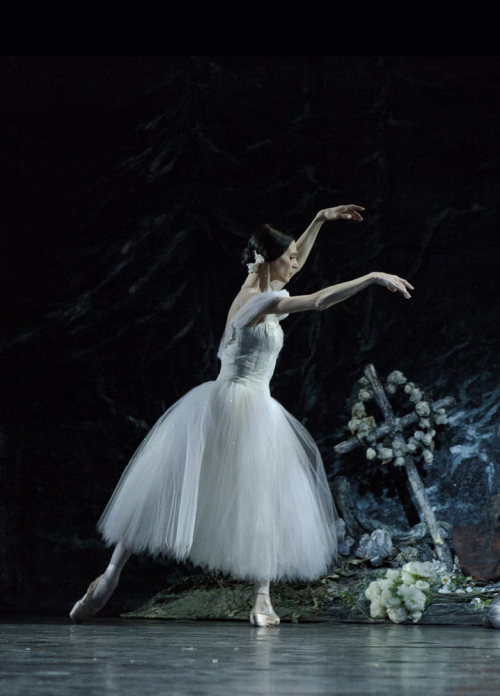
point(393, 283)
point(342, 212)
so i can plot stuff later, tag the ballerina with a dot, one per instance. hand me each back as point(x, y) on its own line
point(227, 478)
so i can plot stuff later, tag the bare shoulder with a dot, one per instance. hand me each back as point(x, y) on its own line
point(277, 285)
point(241, 299)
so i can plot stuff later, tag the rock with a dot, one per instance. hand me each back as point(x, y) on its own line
point(375, 547)
point(344, 542)
point(492, 617)
point(478, 545)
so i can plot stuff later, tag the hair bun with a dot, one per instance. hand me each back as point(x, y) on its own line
point(247, 255)
point(267, 241)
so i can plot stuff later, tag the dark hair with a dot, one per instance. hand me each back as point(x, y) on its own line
point(267, 241)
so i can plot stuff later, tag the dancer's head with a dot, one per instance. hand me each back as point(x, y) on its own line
point(277, 248)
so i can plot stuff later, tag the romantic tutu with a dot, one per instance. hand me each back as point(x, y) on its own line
point(227, 478)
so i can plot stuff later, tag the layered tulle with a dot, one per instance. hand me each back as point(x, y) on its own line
point(228, 478)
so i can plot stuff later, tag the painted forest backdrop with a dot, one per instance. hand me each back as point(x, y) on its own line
point(129, 188)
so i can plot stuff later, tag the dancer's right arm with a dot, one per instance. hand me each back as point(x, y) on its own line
point(338, 293)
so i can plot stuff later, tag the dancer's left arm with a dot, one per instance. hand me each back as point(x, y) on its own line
point(339, 212)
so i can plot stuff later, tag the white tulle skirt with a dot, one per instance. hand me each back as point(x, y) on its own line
point(230, 480)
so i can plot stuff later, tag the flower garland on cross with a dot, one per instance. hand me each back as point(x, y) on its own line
point(420, 443)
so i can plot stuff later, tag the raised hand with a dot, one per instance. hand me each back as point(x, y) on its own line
point(393, 283)
point(342, 212)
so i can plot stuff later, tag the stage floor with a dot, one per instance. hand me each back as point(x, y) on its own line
point(123, 657)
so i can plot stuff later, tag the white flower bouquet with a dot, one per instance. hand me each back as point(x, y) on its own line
point(404, 593)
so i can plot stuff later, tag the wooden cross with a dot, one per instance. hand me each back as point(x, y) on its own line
point(394, 427)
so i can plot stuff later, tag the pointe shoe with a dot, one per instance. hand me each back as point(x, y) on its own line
point(262, 619)
point(268, 616)
point(87, 606)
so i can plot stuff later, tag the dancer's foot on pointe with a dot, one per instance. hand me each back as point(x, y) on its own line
point(262, 613)
point(98, 593)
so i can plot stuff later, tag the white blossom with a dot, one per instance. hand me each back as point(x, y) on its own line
point(377, 610)
point(397, 615)
point(422, 408)
point(425, 569)
point(414, 599)
point(396, 377)
point(415, 395)
point(363, 429)
point(411, 445)
point(399, 446)
point(358, 410)
point(372, 592)
point(386, 596)
point(445, 584)
point(407, 578)
point(428, 456)
point(353, 424)
point(392, 601)
point(384, 584)
point(385, 453)
point(253, 267)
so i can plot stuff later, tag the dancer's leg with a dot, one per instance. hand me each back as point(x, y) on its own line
point(262, 613)
point(107, 582)
point(101, 589)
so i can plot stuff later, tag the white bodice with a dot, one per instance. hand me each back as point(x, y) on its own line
point(248, 354)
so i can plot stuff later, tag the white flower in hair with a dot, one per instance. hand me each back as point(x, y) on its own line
point(253, 267)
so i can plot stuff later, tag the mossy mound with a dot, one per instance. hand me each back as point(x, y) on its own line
point(208, 598)
point(338, 597)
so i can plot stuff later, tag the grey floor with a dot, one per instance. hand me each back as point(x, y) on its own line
point(174, 658)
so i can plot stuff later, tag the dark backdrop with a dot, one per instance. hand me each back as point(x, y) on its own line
point(129, 187)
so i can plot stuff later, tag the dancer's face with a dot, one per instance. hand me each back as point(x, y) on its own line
point(286, 266)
